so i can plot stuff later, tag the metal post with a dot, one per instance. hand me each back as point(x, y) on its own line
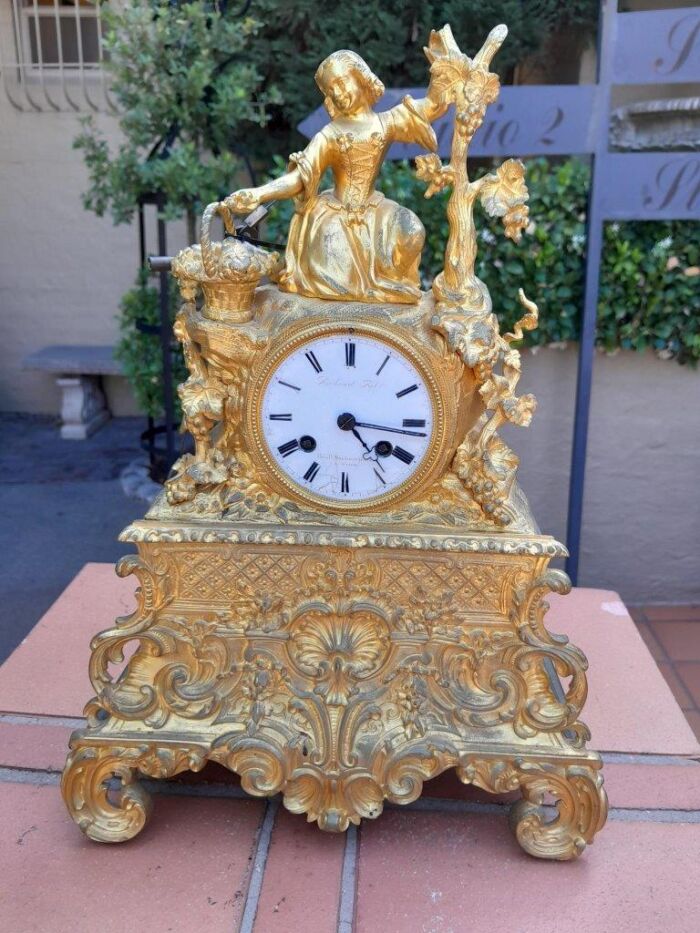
point(594, 246)
point(166, 343)
point(142, 235)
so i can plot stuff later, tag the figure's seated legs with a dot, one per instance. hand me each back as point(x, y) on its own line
point(399, 241)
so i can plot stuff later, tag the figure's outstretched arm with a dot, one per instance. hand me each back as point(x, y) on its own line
point(433, 105)
point(247, 199)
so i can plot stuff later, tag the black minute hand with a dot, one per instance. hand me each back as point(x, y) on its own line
point(382, 427)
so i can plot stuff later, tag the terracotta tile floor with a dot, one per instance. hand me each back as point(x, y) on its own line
point(214, 859)
point(672, 635)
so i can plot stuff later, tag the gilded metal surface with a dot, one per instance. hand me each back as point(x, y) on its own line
point(351, 242)
point(338, 678)
point(228, 273)
point(228, 477)
point(150, 532)
point(342, 656)
point(443, 397)
point(456, 326)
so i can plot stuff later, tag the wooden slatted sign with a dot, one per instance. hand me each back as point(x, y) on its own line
point(656, 47)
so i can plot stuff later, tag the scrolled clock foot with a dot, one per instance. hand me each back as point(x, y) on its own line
point(579, 803)
point(102, 794)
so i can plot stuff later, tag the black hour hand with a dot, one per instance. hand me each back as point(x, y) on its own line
point(357, 435)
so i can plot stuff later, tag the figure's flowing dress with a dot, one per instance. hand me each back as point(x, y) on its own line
point(351, 242)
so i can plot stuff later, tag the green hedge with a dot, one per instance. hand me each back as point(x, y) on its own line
point(649, 284)
point(649, 289)
point(139, 353)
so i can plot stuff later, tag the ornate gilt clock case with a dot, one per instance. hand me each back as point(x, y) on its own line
point(342, 589)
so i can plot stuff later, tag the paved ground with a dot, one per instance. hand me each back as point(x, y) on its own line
point(672, 635)
point(61, 505)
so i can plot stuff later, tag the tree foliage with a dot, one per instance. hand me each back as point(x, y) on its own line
point(187, 94)
point(139, 351)
point(390, 35)
point(200, 88)
point(203, 91)
point(650, 272)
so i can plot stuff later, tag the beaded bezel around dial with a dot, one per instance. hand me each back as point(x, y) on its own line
point(441, 402)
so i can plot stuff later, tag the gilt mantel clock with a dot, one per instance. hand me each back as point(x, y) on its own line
point(342, 588)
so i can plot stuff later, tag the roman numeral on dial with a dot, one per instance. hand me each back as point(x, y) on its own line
point(311, 357)
point(402, 455)
point(406, 390)
point(414, 422)
point(289, 447)
point(349, 354)
point(310, 474)
point(344, 482)
point(280, 417)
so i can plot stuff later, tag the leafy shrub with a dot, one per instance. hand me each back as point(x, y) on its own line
point(187, 95)
point(140, 353)
point(649, 275)
point(648, 289)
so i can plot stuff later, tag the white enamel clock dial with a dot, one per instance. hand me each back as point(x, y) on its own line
point(347, 418)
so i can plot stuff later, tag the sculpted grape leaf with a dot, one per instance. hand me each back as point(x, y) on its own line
point(519, 410)
point(504, 194)
point(504, 190)
point(203, 397)
point(429, 168)
point(449, 75)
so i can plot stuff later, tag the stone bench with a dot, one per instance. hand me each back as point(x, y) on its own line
point(80, 370)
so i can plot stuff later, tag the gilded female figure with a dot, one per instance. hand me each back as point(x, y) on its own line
point(350, 242)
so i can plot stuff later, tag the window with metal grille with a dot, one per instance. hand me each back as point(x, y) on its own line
point(61, 32)
point(51, 55)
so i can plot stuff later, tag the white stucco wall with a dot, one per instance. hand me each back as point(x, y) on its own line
point(62, 269)
point(642, 501)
